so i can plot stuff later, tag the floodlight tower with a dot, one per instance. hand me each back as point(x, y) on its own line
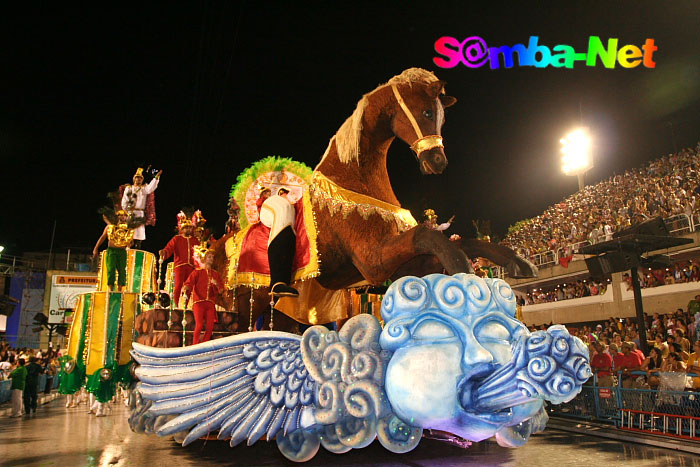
point(576, 147)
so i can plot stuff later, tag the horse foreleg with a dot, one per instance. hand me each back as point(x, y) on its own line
point(418, 266)
point(379, 262)
point(515, 266)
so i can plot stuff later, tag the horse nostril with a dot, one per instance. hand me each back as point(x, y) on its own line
point(438, 158)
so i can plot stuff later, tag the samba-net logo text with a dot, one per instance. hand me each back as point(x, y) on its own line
point(473, 52)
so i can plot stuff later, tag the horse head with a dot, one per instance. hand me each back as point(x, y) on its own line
point(418, 116)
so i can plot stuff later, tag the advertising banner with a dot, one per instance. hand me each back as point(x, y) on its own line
point(64, 293)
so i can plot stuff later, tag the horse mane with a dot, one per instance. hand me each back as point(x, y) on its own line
point(347, 138)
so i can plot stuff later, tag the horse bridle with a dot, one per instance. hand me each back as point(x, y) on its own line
point(423, 143)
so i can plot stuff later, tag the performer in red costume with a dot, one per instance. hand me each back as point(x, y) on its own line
point(182, 247)
point(265, 193)
point(205, 284)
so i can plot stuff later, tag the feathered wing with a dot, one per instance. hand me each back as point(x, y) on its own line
point(244, 386)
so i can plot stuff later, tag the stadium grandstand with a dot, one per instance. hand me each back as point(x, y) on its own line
point(565, 292)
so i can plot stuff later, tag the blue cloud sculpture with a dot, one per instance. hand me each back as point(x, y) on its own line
point(451, 357)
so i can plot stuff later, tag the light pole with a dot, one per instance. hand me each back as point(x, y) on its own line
point(576, 147)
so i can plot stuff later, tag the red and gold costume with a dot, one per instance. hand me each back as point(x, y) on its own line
point(205, 285)
point(181, 247)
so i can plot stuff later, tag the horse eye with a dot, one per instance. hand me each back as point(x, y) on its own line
point(428, 114)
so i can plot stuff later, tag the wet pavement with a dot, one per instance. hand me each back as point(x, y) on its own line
point(71, 437)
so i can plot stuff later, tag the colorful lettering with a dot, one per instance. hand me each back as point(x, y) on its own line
point(595, 48)
point(474, 53)
point(629, 56)
point(649, 48)
point(508, 53)
point(451, 49)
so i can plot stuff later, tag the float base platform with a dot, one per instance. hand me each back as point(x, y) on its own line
point(49, 438)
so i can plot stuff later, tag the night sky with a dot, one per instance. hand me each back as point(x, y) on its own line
point(203, 89)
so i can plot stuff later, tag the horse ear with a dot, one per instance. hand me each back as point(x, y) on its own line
point(435, 88)
point(447, 101)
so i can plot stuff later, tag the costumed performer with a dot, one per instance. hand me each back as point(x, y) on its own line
point(278, 213)
point(431, 221)
point(119, 233)
point(204, 285)
point(71, 377)
point(233, 225)
point(201, 232)
point(181, 246)
point(134, 200)
point(265, 193)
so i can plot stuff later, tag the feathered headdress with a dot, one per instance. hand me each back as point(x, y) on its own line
point(112, 216)
point(198, 219)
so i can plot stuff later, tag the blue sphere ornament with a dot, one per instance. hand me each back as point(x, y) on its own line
point(450, 357)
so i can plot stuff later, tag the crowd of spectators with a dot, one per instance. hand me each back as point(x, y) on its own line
point(673, 340)
point(679, 273)
point(23, 366)
point(666, 187)
point(566, 291)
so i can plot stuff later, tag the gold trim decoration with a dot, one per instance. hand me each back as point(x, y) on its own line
point(315, 304)
point(426, 143)
point(75, 327)
point(326, 193)
point(148, 272)
point(255, 280)
point(90, 331)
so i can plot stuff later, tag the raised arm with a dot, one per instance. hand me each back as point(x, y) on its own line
point(153, 184)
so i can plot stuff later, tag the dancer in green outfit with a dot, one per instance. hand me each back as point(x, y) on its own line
point(119, 233)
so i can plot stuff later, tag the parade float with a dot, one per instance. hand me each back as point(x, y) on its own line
point(445, 355)
point(102, 330)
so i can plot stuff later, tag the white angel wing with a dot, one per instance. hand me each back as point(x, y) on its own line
point(244, 386)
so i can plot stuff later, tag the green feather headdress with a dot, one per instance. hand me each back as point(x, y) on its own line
point(269, 164)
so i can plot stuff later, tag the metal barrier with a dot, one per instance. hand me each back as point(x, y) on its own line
point(664, 411)
point(669, 413)
point(678, 225)
point(570, 250)
point(6, 392)
point(695, 219)
point(544, 258)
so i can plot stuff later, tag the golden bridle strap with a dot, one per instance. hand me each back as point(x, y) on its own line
point(423, 143)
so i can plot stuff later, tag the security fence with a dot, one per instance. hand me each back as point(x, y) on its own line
point(6, 392)
point(667, 410)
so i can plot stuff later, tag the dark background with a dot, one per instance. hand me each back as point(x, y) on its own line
point(204, 89)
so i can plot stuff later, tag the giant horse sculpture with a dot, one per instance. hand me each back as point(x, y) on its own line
point(451, 355)
point(376, 239)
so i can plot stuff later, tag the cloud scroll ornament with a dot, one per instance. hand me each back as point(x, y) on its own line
point(451, 357)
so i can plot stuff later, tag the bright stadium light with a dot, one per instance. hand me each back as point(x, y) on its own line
point(576, 147)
